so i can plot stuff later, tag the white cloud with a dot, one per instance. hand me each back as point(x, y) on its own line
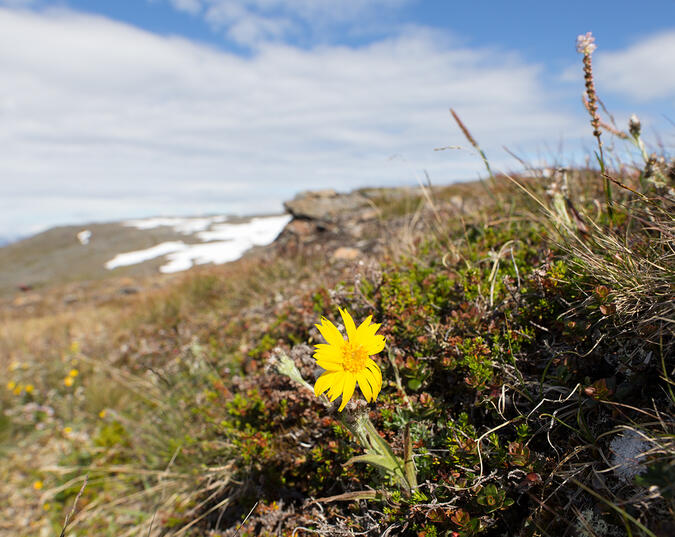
point(643, 71)
point(189, 6)
point(307, 10)
point(100, 120)
point(252, 22)
point(246, 27)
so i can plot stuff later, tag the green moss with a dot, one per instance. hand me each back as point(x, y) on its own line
point(114, 439)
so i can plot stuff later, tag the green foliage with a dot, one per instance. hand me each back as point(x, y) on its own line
point(114, 439)
point(510, 360)
point(492, 499)
point(414, 298)
point(246, 409)
point(475, 357)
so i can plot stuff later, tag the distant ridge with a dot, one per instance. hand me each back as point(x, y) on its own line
point(4, 241)
point(66, 254)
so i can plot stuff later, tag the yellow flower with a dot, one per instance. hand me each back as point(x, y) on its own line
point(37, 485)
point(348, 362)
point(18, 389)
point(11, 385)
point(102, 414)
point(67, 430)
point(29, 388)
point(73, 373)
point(68, 381)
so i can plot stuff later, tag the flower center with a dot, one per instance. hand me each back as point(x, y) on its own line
point(353, 357)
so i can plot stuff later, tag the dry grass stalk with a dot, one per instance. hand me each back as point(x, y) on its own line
point(606, 126)
point(72, 510)
point(586, 46)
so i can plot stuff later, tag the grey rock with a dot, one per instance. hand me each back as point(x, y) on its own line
point(325, 204)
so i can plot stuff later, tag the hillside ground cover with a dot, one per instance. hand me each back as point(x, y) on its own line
point(527, 377)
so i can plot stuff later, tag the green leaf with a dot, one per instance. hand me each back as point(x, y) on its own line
point(408, 461)
point(415, 384)
point(380, 461)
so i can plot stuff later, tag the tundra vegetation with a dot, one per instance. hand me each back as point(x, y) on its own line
point(527, 378)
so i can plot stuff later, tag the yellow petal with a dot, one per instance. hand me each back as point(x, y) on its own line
point(337, 385)
point(329, 365)
point(328, 352)
point(377, 374)
point(372, 381)
point(350, 327)
point(364, 384)
point(328, 357)
point(330, 333)
point(324, 382)
point(367, 330)
point(362, 330)
point(347, 390)
point(374, 345)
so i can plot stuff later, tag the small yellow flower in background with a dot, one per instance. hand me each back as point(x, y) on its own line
point(11, 385)
point(37, 485)
point(74, 347)
point(29, 388)
point(67, 430)
point(73, 373)
point(348, 361)
point(68, 381)
point(102, 414)
point(18, 389)
point(46, 506)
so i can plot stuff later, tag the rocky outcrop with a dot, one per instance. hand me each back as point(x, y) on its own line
point(344, 225)
point(329, 205)
point(350, 227)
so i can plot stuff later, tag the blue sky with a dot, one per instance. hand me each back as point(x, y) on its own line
point(540, 30)
point(128, 108)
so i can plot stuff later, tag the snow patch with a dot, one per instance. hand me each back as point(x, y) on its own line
point(221, 242)
point(139, 256)
point(84, 236)
point(232, 240)
point(200, 254)
point(258, 231)
point(186, 226)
